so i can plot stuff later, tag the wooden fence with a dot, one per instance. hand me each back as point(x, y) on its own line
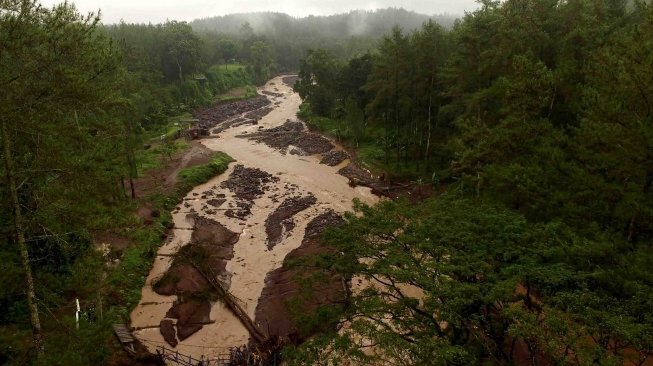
point(237, 357)
point(184, 360)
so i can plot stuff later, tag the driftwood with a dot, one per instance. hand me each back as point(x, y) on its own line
point(233, 305)
point(208, 322)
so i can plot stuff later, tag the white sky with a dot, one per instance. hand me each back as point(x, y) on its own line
point(157, 11)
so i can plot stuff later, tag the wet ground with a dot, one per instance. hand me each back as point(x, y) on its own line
point(240, 227)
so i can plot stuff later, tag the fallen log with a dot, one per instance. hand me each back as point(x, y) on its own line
point(233, 305)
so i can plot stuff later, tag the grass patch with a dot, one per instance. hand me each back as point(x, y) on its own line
point(162, 143)
point(196, 175)
point(128, 278)
point(149, 159)
point(152, 158)
point(227, 67)
point(326, 125)
point(371, 154)
point(240, 93)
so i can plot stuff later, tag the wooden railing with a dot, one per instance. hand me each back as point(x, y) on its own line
point(184, 360)
point(237, 357)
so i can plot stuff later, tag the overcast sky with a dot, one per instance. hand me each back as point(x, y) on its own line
point(156, 11)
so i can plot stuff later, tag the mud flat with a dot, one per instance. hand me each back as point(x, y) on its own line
point(242, 225)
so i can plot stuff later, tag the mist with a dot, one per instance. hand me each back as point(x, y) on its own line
point(359, 23)
point(149, 11)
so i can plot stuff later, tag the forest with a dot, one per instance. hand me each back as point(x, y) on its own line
point(533, 119)
point(529, 122)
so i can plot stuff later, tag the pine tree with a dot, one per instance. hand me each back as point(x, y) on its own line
point(57, 74)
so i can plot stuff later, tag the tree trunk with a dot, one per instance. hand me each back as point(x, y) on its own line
point(632, 226)
point(131, 163)
point(428, 136)
point(131, 185)
point(181, 75)
point(122, 184)
point(22, 244)
point(396, 107)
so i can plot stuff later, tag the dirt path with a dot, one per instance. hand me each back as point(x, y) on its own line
point(276, 187)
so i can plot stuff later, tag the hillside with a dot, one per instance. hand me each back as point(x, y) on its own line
point(355, 23)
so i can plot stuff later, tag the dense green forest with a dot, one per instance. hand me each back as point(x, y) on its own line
point(344, 35)
point(339, 26)
point(531, 119)
point(79, 102)
point(534, 120)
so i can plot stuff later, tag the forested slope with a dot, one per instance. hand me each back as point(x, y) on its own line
point(534, 119)
point(82, 109)
point(354, 23)
point(86, 110)
point(346, 35)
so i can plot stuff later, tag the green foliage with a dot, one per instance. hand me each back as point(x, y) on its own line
point(196, 175)
point(391, 99)
point(451, 281)
point(316, 84)
point(75, 112)
point(344, 35)
point(540, 111)
point(88, 345)
point(245, 92)
point(166, 72)
point(262, 62)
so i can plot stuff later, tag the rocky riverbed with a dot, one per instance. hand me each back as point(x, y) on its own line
point(239, 229)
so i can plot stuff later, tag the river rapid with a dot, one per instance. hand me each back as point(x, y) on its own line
point(296, 176)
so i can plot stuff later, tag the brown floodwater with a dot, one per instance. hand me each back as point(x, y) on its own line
point(298, 176)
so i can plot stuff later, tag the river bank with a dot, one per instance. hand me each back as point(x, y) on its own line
point(267, 200)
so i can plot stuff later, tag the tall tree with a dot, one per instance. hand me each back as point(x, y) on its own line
point(57, 72)
point(389, 83)
point(616, 134)
point(181, 49)
point(228, 50)
point(431, 54)
point(317, 82)
point(262, 61)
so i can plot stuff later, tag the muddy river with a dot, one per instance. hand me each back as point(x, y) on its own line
point(261, 207)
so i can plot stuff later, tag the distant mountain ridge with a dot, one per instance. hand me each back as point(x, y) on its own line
point(355, 23)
